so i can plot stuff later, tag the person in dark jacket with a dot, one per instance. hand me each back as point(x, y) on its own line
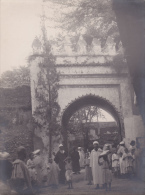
point(75, 161)
point(59, 159)
point(5, 166)
point(5, 173)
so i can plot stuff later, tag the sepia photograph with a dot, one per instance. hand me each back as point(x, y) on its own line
point(72, 97)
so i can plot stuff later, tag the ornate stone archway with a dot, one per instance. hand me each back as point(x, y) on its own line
point(90, 79)
point(91, 100)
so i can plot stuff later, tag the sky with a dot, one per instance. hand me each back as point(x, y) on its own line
point(20, 24)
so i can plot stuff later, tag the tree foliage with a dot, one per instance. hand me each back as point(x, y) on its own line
point(83, 116)
point(92, 18)
point(16, 77)
point(46, 94)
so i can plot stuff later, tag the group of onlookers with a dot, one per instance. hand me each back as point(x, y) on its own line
point(99, 164)
point(123, 160)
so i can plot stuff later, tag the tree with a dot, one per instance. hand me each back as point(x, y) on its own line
point(16, 77)
point(130, 19)
point(46, 94)
point(78, 124)
point(92, 18)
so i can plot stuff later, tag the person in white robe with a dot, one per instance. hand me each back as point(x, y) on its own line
point(115, 164)
point(120, 152)
point(125, 160)
point(82, 157)
point(38, 166)
point(97, 170)
point(53, 173)
point(32, 170)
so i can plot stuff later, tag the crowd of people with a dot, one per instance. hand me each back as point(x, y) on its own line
point(99, 163)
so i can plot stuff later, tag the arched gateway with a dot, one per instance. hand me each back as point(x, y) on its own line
point(90, 80)
point(91, 100)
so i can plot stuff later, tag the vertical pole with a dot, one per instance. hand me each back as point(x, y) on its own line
point(50, 135)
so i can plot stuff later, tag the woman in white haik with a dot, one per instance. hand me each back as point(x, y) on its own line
point(120, 152)
point(38, 166)
point(82, 157)
point(97, 170)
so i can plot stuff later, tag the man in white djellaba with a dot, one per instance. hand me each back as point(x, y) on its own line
point(97, 170)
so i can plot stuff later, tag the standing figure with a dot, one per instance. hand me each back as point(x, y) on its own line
point(32, 170)
point(88, 171)
point(130, 165)
point(5, 173)
point(133, 161)
point(5, 166)
point(82, 157)
point(53, 173)
point(125, 161)
point(115, 164)
point(97, 171)
point(59, 159)
point(106, 166)
point(20, 174)
point(38, 166)
point(132, 145)
point(138, 161)
point(68, 172)
point(75, 161)
point(120, 152)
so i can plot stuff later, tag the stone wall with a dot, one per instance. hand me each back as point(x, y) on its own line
point(16, 124)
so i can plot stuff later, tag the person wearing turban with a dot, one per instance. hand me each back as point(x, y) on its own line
point(97, 171)
point(120, 152)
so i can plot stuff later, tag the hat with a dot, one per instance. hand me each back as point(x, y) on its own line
point(4, 155)
point(104, 153)
point(67, 158)
point(21, 148)
point(95, 142)
point(36, 152)
point(60, 145)
point(107, 145)
point(121, 143)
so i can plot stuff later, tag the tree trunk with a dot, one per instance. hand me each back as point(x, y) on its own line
point(130, 17)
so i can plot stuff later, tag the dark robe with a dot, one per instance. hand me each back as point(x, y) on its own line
point(5, 169)
point(75, 161)
point(59, 159)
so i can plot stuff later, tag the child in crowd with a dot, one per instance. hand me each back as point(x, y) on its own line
point(115, 163)
point(53, 172)
point(32, 170)
point(68, 173)
point(106, 166)
point(88, 171)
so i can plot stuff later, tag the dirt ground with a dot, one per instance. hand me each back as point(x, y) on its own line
point(80, 187)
